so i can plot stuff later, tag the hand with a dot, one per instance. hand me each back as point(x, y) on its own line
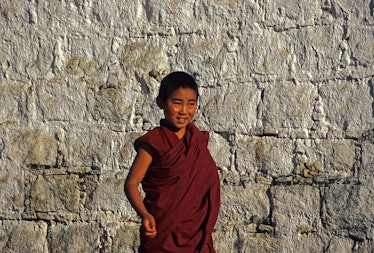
point(149, 226)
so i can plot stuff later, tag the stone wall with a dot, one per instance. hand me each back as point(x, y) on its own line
point(286, 92)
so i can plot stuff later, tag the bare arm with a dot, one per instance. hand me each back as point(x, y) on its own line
point(137, 171)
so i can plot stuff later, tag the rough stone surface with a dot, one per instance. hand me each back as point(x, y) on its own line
point(287, 94)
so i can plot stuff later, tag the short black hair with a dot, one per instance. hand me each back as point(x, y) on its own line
point(174, 81)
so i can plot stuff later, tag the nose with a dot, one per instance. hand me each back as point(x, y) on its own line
point(183, 109)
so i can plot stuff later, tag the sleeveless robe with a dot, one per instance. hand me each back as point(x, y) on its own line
point(182, 191)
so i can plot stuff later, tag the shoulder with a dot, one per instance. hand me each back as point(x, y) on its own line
point(148, 138)
point(158, 140)
point(151, 136)
point(194, 129)
point(197, 134)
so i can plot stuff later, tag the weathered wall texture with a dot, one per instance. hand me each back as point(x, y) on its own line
point(287, 94)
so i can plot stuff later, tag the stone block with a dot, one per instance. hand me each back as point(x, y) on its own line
point(231, 108)
point(328, 158)
point(84, 145)
point(25, 44)
point(287, 105)
point(299, 218)
point(306, 53)
point(361, 44)
point(367, 169)
point(244, 238)
point(32, 147)
point(138, 58)
point(125, 238)
point(84, 66)
point(127, 151)
point(348, 105)
point(357, 12)
point(266, 156)
point(12, 191)
point(238, 238)
point(268, 53)
point(287, 14)
point(75, 237)
point(220, 151)
point(263, 243)
point(161, 14)
point(225, 238)
point(364, 246)
point(14, 102)
point(215, 54)
point(249, 204)
point(113, 105)
point(23, 236)
point(60, 99)
point(348, 208)
point(320, 47)
point(55, 194)
point(341, 245)
point(109, 196)
point(306, 242)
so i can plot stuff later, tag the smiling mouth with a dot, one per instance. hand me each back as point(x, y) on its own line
point(182, 119)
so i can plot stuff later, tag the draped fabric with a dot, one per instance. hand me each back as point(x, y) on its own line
point(182, 191)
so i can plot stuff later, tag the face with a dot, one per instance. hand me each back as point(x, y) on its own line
point(179, 109)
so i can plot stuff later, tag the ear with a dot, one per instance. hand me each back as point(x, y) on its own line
point(160, 103)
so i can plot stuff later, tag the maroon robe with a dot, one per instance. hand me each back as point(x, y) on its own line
point(182, 191)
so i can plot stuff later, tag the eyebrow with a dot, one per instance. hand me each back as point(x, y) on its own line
point(179, 99)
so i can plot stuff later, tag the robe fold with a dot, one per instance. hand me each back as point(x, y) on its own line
point(182, 191)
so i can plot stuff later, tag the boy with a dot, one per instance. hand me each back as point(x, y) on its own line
point(178, 176)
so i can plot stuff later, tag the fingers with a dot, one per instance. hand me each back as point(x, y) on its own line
point(149, 225)
point(150, 234)
point(152, 222)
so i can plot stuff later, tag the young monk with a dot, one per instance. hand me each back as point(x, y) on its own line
point(178, 176)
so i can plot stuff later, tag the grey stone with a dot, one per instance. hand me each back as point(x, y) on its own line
point(14, 102)
point(12, 191)
point(231, 100)
point(75, 237)
point(23, 236)
point(286, 92)
point(348, 106)
point(240, 203)
point(267, 156)
point(348, 208)
point(55, 194)
point(367, 169)
point(33, 147)
point(340, 245)
point(288, 106)
point(304, 211)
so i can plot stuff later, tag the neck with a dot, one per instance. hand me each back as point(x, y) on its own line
point(179, 132)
